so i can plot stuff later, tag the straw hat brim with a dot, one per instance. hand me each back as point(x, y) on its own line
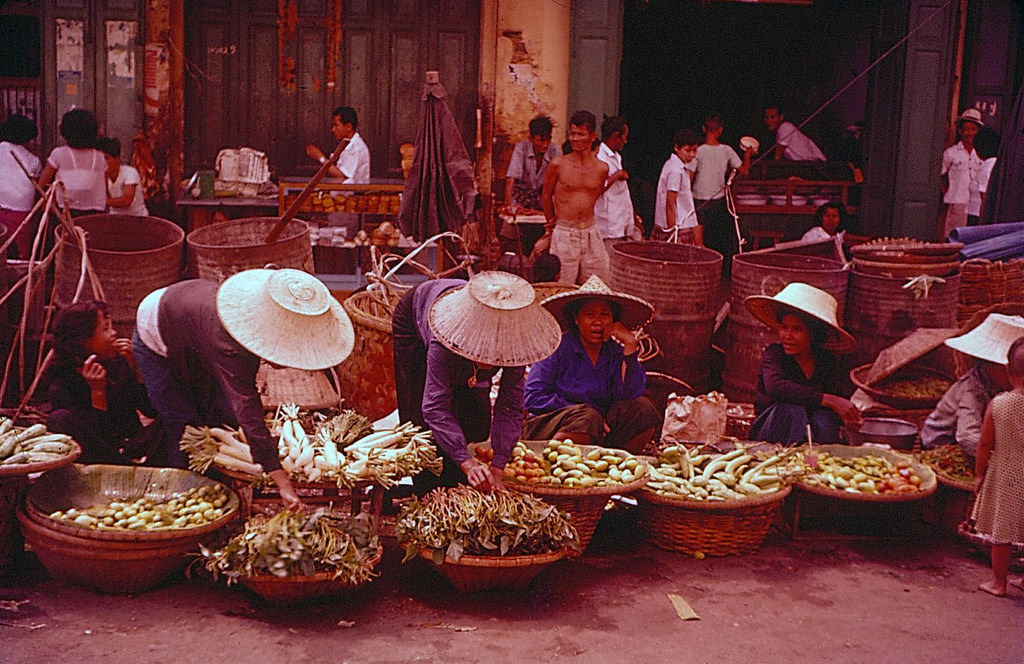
point(768, 310)
point(277, 335)
point(501, 338)
point(991, 340)
point(634, 313)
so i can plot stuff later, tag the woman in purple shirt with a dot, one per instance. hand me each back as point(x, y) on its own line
point(800, 374)
point(450, 340)
point(592, 389)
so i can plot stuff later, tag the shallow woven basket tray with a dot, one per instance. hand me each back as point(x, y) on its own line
point(984, 542)
point(474, 573)
point(81, 486)
point(42, 466)
point(952, 482)
point(713, 528)
point(585, 506)
point(298, 589)
point(858, 376)
point(927, 475)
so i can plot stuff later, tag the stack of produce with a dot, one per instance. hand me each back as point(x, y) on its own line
point(563, 463)
point(32, 445)
point(343, 450)
point(290, 544)
point(691, 474)
point(865, 473)
point(463, 521)
point(195, 507)
point(950, 462)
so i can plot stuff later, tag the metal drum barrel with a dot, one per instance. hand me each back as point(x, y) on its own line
point(880, 311)
point(217, 251)
point(131, 257)
point(767, 274)
point(681, 282)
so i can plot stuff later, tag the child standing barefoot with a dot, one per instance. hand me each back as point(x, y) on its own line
point(999, 509)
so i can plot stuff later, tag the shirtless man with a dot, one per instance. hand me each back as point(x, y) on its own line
point(571, 186)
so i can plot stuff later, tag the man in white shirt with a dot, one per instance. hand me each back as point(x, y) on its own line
point(960, 165)
point(613, 210)
point(354, 163)
point(790, 142)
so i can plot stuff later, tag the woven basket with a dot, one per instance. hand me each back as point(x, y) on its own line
point(584, 506)
point(712, 528)
point(545, 289)
point(366, 378)
point(309, 390)
point(858, 376)
point(24, 469)
point(927, 475)
point(475, 573)
point(984, 542)
point(297, 589)
point(984, 284)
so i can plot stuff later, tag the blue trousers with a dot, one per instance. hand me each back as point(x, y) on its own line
point(787, 423)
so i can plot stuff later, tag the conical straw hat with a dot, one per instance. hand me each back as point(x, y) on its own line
point(287, 317)
point(803, 299)
point(634, 312)
point(494, 319)
point(991, 340)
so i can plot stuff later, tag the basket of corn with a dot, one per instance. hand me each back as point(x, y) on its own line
point(292, 557)
point(121, 529)
point(861, 474)
point(577, 479)
point(485, 540)
point(702, 502)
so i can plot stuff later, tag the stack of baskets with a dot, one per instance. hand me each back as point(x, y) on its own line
point(907, 258)
point(112, 561)
point(984, 284)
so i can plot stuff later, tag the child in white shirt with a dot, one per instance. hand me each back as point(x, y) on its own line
point(124, 186)
point(674, 207)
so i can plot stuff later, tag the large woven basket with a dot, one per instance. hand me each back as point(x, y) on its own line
point(858, 376)
point(984, 284)
point(367, 376)
point(585, 506)
point(923, 470)
point(298, 589)
point(545, 289)
point(474, 573)
point(711, 528)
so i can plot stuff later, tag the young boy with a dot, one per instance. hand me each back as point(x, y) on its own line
point(528, 165)
point(674, 208)
point(715, 161)
point(571, 186)
point(124, 186)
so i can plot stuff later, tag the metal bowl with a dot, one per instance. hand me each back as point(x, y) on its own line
point(897, 434)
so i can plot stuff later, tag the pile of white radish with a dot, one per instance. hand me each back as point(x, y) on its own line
point(339, 451)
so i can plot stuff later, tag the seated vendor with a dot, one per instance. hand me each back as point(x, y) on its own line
point(799, 375)
point(957, 417)
point(592, 389)
point(450, 340)
point(96, 390)
point(199, 344)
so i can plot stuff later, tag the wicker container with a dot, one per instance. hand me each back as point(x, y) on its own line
point(711, 528)
point(291, 590)
point(220, 250)
point(681, 282)
point(767, 274)
point(858, 376)
point(366, 378)
point(584, 506)
point(475, 573)
point(132, 256)
point(545, 289)
point(880, 312)
point(984, 284)
point(923, 470)
point(309, 390)
point(11, 490)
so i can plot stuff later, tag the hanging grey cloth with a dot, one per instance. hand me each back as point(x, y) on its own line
point(1005, 198)
point(440, 192)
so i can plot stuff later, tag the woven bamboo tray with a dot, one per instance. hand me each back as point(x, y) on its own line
point(712, 528)
point(43, 466)
point(475, 573)
point(297, 589)
point(927, 475)
point(81, 486)
point(585, 506)
point(858, 376)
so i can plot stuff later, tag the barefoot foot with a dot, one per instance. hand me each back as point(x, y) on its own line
point(992, 589)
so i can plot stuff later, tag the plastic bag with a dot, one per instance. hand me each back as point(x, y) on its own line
point(695, 418)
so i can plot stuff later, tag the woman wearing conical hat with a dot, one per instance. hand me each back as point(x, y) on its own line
point(592, 389)
point(799, 378)
point(450, 340)
point(957, 417)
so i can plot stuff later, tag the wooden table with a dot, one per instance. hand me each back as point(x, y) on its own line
point(201, 212)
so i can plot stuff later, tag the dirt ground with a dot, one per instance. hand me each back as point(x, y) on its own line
point(909, 599)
